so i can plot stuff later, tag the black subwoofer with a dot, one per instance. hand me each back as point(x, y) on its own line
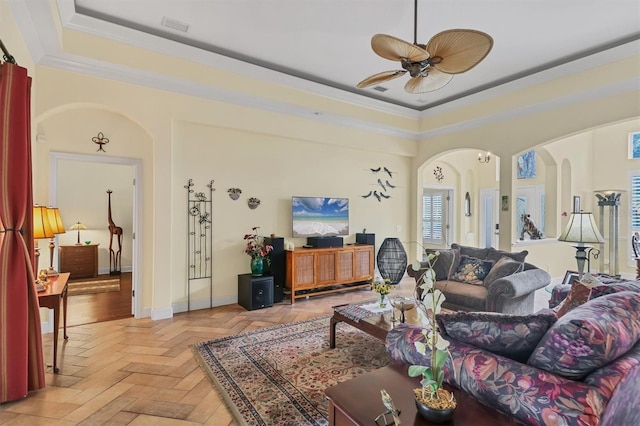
point(255, 292)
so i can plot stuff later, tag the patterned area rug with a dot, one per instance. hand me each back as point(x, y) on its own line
point(276, 376)
point(92, 287)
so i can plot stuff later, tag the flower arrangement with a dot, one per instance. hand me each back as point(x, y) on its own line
point(256, 247)
point(429, 299)
point(382, 288)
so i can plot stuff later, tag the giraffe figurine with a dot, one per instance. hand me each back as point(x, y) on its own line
point(114, 257)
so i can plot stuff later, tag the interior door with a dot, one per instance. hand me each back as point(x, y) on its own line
point(488, 218)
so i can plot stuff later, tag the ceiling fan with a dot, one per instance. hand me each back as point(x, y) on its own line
point(433, 65)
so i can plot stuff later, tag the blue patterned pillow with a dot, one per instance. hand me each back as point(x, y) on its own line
point(472, 270)
point(512, 336)
point(590, 336)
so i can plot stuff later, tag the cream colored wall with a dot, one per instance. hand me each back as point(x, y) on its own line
point(235, 147)
point(153, 124)
point(594, 159)
point(273, 169)
point(69, 128)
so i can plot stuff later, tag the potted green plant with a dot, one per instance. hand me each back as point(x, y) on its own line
point(434, 403)
point(258, 250)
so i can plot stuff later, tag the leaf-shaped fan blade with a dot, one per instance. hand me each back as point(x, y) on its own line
point(434, 81)
point(379, 78)
point(460, 50)
point(394, 49)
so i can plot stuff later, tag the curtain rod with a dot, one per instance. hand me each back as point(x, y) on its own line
point(7, 56)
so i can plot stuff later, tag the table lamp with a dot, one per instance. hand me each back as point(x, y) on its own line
point(581, 230)
point(58, 228)
point(77, 227)
point(41, 229)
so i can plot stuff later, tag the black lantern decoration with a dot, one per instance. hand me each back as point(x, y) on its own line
point(392, 260)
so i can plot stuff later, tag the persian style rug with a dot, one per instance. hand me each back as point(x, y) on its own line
point(92, 287)
point(277, 376)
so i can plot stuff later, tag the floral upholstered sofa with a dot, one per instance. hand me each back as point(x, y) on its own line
point(485, 279)
point(580, 369)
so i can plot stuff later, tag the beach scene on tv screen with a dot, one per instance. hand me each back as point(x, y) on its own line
point(318, 216)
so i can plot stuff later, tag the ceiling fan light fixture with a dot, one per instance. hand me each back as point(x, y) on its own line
point(431, 66)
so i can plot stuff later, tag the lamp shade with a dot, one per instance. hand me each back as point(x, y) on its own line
point(55, 220)
point(41, 226)
point(77, 227)
point(581, 229)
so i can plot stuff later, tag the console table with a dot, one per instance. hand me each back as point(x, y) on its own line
point(54, 293)
point(315, 271)
point(80, 260)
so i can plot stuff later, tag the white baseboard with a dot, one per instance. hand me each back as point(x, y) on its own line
point(161, 313)
point(203, 304)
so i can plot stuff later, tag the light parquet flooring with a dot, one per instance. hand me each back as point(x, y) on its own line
point(142, 372)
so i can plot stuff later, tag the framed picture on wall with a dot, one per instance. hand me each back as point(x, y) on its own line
point(526, 167)
point(634, 145)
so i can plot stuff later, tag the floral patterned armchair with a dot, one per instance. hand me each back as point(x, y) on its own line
point(580, 369)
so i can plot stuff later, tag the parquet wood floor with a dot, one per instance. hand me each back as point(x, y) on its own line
point(142, 372)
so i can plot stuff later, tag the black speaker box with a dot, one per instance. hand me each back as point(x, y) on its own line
point(278, 264)
point(362, 238)
point(324, 242)
point(255, 292)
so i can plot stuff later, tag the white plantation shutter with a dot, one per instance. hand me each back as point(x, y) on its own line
point(433, 216)
point(634, 201)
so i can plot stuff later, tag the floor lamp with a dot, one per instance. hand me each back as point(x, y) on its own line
point(41, 229)
point(58, 228)
point(610, 199)
point(581, 230)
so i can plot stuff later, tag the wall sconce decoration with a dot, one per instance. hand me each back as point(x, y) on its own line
point(437, 172)
point(234, 193)
point(100, 140)
point(467, 204)
point(484, 159)
point(253, 203)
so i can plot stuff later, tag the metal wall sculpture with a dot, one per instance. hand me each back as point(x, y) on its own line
point(114, 257)
point(199, 238)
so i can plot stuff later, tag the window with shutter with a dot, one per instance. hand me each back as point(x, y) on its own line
point(434, 204)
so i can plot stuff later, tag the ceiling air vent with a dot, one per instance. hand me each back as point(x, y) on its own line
point(380, 89)
point(175, 25)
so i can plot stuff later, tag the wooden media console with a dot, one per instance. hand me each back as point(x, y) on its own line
point(315, 271)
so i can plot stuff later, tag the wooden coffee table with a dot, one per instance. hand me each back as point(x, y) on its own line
point(376, 325)
point(357, 401)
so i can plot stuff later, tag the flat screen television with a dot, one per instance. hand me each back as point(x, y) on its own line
point(320, 216)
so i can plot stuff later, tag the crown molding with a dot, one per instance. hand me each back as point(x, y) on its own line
point(39, 30)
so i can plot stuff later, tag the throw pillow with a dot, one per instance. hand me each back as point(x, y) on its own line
point(504, 267)
point(472, 270)
point(578, 295)
point(590, 336)
point(442, 265)
point(511, 336)
point(480, 253)
point(518, 256)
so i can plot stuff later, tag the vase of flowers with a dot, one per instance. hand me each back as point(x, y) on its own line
point(382, 288)
point(433, 402)
point(258, 250)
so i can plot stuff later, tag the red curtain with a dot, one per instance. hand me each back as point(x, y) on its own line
point(21, 359)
